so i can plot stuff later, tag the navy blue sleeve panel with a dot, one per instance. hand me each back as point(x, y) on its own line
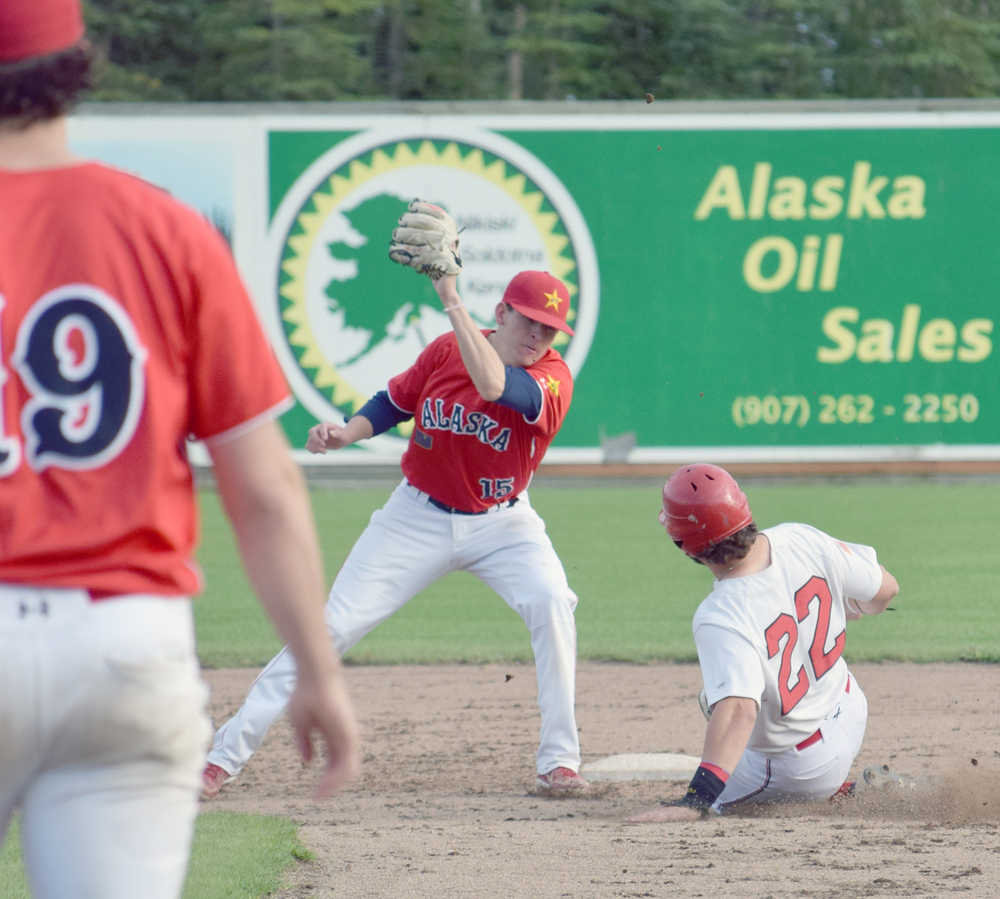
point(381, 412)
point(521, 392)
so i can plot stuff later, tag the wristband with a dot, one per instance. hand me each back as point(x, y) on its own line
point(707, 784)
point(452, 308)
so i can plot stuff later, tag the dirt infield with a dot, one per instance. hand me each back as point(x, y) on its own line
point(445, 806)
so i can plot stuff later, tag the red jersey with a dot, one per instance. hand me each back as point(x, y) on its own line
point(464, 451)
point(125, 328)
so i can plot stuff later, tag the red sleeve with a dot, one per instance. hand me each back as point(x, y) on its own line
point(406, 387)
point(235, 376)
point(554, 377)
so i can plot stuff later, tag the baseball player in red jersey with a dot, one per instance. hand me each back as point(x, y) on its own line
point(486, 405)
point(786, 718)
point(124, 328)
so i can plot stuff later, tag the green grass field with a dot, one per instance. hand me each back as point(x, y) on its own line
point(234, 857)
point(637, 592)
point(637, 595)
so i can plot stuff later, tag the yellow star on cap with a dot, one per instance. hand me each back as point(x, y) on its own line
point(553, 300)
point(553, 386)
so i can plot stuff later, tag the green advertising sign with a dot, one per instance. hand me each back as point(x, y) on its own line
point(774, 286)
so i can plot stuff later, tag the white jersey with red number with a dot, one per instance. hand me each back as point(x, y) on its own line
point(125, 330)
point(464, 451)
point(777, 636)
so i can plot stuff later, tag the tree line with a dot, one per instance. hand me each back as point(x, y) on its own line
point(355, 50)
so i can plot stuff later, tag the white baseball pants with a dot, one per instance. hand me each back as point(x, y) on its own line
point(104, 732)
point(408, 545)
point(815, 771)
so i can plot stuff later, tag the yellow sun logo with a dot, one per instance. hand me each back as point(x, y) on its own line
point(390, 169)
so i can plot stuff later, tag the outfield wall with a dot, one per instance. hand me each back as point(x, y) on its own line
point(762, 283)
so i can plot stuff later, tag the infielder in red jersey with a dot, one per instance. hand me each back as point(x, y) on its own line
point(485, 406)
point(124, 329)
point(786, 718)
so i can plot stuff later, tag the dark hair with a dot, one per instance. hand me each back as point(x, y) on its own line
point(45, 87)
point(730, 549)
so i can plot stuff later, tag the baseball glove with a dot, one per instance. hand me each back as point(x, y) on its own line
point(426, 240)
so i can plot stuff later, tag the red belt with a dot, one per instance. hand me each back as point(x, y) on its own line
point(814, 737)
point(817, 734)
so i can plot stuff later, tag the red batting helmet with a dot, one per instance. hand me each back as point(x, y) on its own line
point(703, 504)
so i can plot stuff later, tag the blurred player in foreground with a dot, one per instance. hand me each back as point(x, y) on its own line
point(786, 718)
point(486, 405)
point(125, 328)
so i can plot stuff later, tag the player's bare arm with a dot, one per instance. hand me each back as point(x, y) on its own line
point(728, 732)
point(329, 436)
point(887, 592)
point(482, 361)
point(426, 240)
point(265, 498)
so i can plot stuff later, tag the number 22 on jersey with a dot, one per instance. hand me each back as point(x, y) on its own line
point(782, 635)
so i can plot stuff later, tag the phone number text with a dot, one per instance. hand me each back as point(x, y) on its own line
point(798, 410)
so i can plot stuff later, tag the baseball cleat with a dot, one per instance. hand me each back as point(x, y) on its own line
point(847, 789)
point(212, 780)
point(562, 782)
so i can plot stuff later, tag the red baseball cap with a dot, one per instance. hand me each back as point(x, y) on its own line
point(541, 297)
point(38, 27)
